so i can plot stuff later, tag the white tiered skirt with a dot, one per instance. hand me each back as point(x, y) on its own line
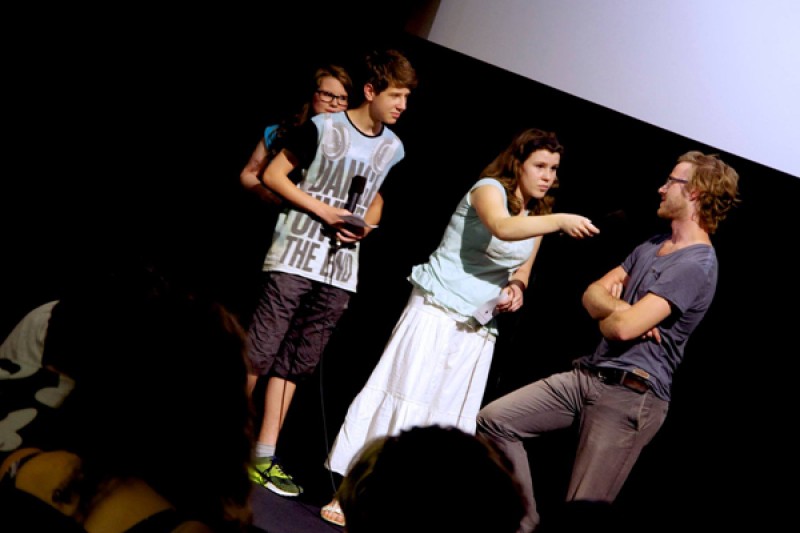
point(433, 371)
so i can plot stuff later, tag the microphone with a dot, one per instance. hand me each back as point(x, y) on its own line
point(615, 216)
point(357, 185)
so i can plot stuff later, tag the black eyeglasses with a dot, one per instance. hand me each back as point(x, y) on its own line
point(670, 179)
point(327, 97)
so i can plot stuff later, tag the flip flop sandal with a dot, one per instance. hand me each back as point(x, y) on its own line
point(334, 514)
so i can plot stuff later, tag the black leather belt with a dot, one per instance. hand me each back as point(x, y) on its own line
point(617, 376)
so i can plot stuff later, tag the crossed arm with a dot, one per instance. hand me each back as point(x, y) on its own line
point(619, 320)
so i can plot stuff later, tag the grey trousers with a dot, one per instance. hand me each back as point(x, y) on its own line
point(615, 423)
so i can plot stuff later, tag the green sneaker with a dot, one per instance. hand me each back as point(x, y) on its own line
point(270, 475)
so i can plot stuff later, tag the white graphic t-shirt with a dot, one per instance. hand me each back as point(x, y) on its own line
point(299, 245)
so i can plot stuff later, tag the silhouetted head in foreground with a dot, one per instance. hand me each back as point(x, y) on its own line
point(430, 479)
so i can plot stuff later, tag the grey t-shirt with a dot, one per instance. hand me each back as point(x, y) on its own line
point(687, 279)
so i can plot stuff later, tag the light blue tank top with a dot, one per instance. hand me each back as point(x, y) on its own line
point(470, 265)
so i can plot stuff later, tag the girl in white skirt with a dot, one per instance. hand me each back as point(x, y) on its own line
point(436, 363)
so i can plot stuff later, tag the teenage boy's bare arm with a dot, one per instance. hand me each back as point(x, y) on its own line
point(276, 177)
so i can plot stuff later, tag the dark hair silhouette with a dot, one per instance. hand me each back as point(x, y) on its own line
point(443, 479)
point(159, 396)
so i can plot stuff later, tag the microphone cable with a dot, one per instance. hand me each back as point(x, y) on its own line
point(332, 252)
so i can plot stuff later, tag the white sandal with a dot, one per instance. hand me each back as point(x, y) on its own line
point(335, 514)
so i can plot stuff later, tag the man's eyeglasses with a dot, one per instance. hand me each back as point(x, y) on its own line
point(670, 179)
point(327, 97)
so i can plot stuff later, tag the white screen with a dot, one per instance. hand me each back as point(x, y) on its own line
point(722, 72)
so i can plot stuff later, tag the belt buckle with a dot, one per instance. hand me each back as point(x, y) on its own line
point(611, 376)
point(603, 374)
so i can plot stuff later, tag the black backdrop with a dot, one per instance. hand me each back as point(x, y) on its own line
point(130, 135)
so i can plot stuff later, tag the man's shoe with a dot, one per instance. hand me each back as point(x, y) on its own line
point(269, 474)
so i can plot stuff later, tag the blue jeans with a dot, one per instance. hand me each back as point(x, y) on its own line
point(615, 424)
